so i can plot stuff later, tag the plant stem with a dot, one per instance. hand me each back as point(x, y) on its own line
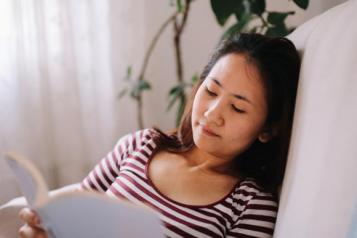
point(185, 14)
point(145, 64)
point(140, 112)
point(178, 54)
point(153, 43)
point(178, 29)
point(177, 38)
point(265, 23)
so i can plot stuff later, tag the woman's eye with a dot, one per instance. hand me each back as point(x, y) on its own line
point(210, 92)
point(237, 109)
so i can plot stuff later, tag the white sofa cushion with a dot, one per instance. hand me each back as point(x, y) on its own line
point(319, 192)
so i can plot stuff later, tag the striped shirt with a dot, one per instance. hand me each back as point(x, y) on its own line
point(245, 212)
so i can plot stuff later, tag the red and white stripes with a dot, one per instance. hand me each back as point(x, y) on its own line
point(245, 212)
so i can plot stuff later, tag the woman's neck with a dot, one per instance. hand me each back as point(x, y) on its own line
point(209, 163)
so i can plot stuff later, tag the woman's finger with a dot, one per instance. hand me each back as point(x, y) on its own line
point(30, 217)
point(27, 231)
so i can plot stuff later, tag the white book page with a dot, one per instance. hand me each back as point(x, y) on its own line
point(91, 215)
point(31, 181)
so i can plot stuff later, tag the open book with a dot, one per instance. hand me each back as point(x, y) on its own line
point(81, 213)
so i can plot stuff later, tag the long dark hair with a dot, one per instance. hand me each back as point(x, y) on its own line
point(278, 63)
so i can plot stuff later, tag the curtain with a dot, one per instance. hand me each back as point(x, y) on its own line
point(58, 103)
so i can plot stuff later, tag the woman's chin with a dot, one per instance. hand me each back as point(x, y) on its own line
point(207, 143)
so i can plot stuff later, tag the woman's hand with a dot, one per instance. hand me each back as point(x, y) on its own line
point(32, 227)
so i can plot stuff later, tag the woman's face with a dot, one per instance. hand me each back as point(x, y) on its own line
point(230, 108)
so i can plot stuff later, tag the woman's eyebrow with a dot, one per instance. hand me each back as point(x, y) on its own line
point(241, 97)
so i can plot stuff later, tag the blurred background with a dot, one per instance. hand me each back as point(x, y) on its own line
point(64, 63)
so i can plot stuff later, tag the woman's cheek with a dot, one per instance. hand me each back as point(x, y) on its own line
point(200, 106)
point(242, 131)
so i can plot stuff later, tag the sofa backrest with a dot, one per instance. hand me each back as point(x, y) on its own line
point(319, 194)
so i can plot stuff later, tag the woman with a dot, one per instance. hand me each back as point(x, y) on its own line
point(218, 174)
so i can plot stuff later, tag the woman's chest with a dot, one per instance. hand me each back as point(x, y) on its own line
point(187, 204)
point(179, 220)
point(171, 176)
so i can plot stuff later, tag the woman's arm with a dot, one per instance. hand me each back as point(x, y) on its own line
point(105, 172)
point(257, 219)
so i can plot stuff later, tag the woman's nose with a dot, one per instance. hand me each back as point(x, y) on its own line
point(214, 113)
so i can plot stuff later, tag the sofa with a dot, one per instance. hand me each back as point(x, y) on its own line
point(319, 194)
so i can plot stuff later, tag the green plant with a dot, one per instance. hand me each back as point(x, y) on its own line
point(250, 16)
point(135, 87)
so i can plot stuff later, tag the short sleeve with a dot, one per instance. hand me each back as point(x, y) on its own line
point(257, 219)
point(106, 171)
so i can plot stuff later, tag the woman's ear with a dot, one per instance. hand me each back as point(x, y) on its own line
point(267, 134)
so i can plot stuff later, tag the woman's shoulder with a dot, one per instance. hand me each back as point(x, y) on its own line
point(138, 139)
point(254, 210)
point(139, 136)
point(251, 202)
point(248, 189)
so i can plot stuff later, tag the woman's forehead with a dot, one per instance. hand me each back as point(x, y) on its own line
point(235, 66)
point(237, 75)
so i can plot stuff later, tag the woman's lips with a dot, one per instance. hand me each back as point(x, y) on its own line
point(208, 131)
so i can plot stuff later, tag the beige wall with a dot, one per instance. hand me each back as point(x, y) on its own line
point(200, 36)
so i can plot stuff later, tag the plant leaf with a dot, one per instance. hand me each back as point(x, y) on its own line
point(194, 79)
point(138, 87)
point(122, 93)
point(253, 30)
point(179, 6)
point(128, 73)
point(172, 101)
point(277, 18)
point(241, 8)
point(173, 91)
point(302, 3)
point(143, 85)
point(174, 95)
point(180, 109)
point(258, 6)
point(237, 27)
point(278, 30)
point(223, 9)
